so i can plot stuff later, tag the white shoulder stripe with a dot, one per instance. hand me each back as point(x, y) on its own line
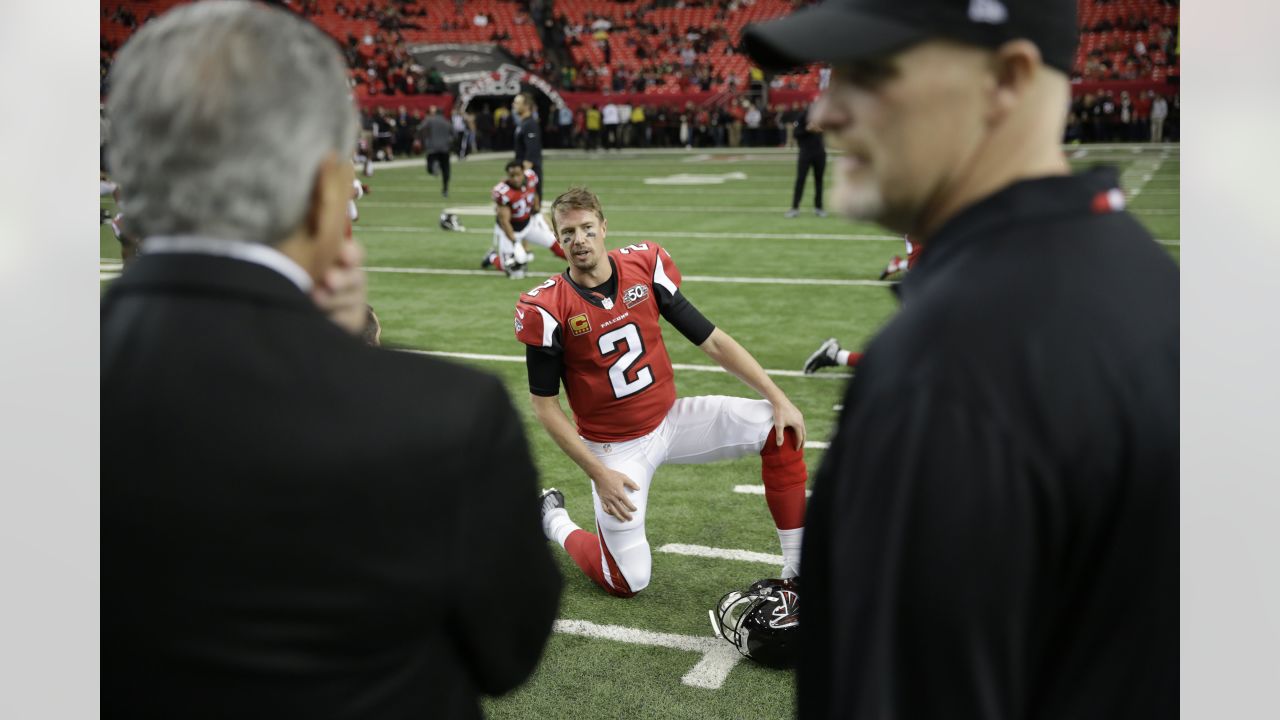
point(660, 276)
point(549, 326)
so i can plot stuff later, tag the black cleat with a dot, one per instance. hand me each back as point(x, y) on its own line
point(824, 356)
point(550, 499)
point(893, 267)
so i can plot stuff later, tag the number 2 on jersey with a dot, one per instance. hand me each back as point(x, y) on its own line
point(608, 344)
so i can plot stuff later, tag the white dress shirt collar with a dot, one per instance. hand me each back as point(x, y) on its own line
point(256, 253)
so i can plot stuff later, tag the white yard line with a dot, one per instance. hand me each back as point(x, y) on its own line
point(1140, 172)
point(482, 191)
point(432, 229)
point(677, 366)
point(654, 234)
point(695, 278)
point(718, 656)
point(731, 209)
point(720, 553)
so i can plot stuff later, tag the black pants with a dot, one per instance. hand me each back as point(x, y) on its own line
point(440, 160)
point(817, 161)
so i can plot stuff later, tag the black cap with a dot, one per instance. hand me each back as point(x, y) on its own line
point(838, 31)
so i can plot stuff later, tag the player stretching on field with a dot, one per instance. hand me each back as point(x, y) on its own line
point(829, 353)
point(898, 264)
point(596, 326)
point(519, 221)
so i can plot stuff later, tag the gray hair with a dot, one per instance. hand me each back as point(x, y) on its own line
point(221, 115)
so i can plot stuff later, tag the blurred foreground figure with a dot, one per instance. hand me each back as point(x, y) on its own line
point(994, 531)
point(291, 528)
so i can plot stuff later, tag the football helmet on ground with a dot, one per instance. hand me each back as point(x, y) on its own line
point(762, 621)
point(449, 221)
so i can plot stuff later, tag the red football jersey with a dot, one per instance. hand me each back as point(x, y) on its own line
point(913, 251)
point(520, 200)
point(617, 373)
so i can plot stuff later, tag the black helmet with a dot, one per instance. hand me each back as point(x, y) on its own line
point(449, 221)
point(761, 622)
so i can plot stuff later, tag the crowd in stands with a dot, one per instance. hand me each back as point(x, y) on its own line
point(1123, 117)
point(658, 47)
point(489, 127)
point(1127, 40)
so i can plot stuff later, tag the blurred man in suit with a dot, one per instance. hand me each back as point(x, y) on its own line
point(291, 526)
point(436, 135)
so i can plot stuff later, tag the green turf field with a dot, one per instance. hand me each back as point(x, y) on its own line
point(780, 286)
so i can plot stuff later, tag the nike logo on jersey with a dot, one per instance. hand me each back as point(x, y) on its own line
point(519, 313)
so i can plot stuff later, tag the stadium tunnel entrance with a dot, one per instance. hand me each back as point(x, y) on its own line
point(487, 73)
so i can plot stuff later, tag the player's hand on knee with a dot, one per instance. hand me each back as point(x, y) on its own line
point(611, 487)
point(787, 415)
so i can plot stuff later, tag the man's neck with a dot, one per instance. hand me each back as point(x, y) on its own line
point(597, 277)
point(1008, 157)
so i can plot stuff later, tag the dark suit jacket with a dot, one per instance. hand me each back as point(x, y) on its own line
point(528, 141)
point(295, 525)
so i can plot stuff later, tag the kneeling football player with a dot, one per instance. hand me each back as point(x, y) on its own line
point(596, 327)
point(519, 222)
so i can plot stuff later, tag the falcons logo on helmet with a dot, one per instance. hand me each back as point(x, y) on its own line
point(762, 621)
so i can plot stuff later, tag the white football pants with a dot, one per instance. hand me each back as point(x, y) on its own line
point(536, 232)
point(696, 430)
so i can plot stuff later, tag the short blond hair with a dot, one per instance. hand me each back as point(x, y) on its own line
point(576, 198)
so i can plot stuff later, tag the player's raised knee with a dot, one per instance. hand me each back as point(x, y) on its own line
point(638, 580)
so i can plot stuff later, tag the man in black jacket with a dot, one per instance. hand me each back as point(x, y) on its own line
point(294, 524)
point(994, 530)
point(528, 137)
point(813, 155)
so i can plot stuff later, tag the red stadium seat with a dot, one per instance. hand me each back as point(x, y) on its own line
point(1127, 18)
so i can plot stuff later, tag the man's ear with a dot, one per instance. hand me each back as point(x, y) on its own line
point(1013, 67)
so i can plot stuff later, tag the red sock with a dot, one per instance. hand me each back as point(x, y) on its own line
point(497, 262)
point(783, 472)
point(586, 549)
point(853, 359)
point(559, 251)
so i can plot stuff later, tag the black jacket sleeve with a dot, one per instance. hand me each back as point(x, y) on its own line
point(505, 584)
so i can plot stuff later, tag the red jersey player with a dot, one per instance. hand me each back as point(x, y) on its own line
point(898, 264)
point(519, 221)
point(829, 353)
point(596, 327)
